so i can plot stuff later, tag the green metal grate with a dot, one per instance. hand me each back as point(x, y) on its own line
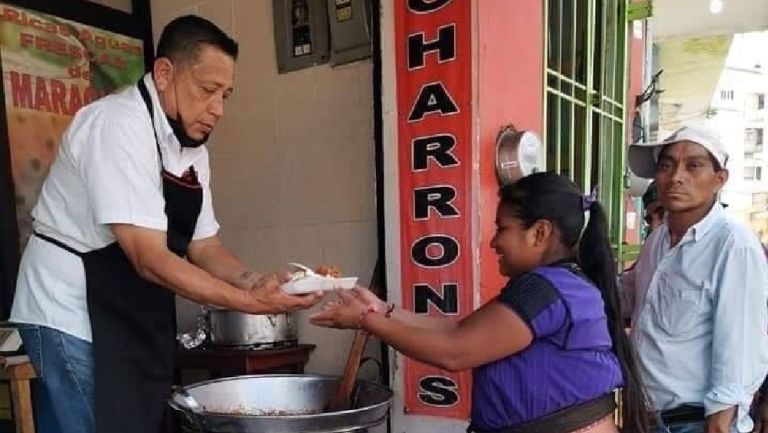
point(585, 88)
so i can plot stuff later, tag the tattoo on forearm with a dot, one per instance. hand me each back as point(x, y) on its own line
point(247, 279)
point(245, 276)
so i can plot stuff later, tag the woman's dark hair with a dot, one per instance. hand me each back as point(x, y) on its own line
point(183, 37)
point(551, 197)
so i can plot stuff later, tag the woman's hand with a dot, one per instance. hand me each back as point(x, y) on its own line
point(369, 299)
point(347, 311)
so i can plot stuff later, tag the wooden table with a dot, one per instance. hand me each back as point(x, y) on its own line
point(19, 371)
point(222, 362)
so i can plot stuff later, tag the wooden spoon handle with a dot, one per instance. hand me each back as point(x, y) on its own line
point(341, 400)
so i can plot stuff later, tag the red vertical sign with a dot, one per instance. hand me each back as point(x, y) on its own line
point(434, 96)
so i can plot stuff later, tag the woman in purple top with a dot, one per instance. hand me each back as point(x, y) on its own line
point(549, 351)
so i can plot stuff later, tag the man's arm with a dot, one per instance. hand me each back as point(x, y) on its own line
point(739, 340)
point(627, 281)
point(721, 422)
point(627, 292)
point(119, 166)
point(147, 251)
point(215, 258)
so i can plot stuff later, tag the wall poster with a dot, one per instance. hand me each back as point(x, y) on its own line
point(55, 57)
point(51, 68)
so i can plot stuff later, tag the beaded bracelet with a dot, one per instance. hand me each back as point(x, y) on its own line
point(373, 309)
point(361, 321)
point(390, 310)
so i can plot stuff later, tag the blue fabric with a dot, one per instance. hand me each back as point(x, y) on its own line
point(569, 361)
point(63, 392)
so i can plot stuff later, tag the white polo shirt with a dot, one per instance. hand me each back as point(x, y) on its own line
point(107, 171)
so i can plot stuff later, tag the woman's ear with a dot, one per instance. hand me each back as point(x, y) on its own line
point(542, 230)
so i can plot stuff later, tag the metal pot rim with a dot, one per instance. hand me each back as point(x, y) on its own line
point(283, 417)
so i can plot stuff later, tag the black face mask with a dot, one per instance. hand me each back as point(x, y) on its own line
point(178, 130)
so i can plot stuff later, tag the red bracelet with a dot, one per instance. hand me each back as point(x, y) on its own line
point(373, 309)
point(361, 321)
point(390, 310)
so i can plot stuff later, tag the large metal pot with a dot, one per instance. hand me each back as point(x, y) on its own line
point(233, 328)
point(277, 404)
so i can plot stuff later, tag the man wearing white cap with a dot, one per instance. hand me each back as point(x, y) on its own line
point(699, 295)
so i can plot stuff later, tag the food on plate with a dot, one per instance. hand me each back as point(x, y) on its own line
point(328, 271)
point(322, 278)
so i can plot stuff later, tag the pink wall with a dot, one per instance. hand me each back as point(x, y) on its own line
point(636, 73)
point(510, 69)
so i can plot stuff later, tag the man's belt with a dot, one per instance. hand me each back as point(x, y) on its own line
point(565, 420)
point(682, 414)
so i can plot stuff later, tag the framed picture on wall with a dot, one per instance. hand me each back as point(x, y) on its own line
point(55, 57)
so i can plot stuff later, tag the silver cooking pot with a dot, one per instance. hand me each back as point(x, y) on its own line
point(278, 404)
point(233, 328)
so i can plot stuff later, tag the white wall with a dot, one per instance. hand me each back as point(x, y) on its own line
point(743, 78)
point(292, 161)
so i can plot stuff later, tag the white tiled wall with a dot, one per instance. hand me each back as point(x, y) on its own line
point(292, 161)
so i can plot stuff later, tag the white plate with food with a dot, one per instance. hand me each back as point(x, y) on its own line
point(322, 279)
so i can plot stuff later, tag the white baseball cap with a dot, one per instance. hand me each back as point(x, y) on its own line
point(644, 156)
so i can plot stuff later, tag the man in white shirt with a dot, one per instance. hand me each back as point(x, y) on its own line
point(124, 221)
point(699, 294)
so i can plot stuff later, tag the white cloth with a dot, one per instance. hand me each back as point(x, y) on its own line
point(700, 316)
point(107, 171)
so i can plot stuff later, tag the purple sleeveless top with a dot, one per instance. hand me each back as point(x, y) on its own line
point(568, 362)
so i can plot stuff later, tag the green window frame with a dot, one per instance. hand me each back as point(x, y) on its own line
point(585, 89)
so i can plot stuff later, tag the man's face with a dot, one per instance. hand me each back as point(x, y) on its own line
point(687, 178)
point(195, 93)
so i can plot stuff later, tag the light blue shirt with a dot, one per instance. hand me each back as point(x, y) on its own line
point(700, 316)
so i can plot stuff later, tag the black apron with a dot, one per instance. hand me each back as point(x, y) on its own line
point(133, 320)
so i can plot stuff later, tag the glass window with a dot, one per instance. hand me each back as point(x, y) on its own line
point(755, 101)
point(760, 198)
point(753, 140)
point(753, 173)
